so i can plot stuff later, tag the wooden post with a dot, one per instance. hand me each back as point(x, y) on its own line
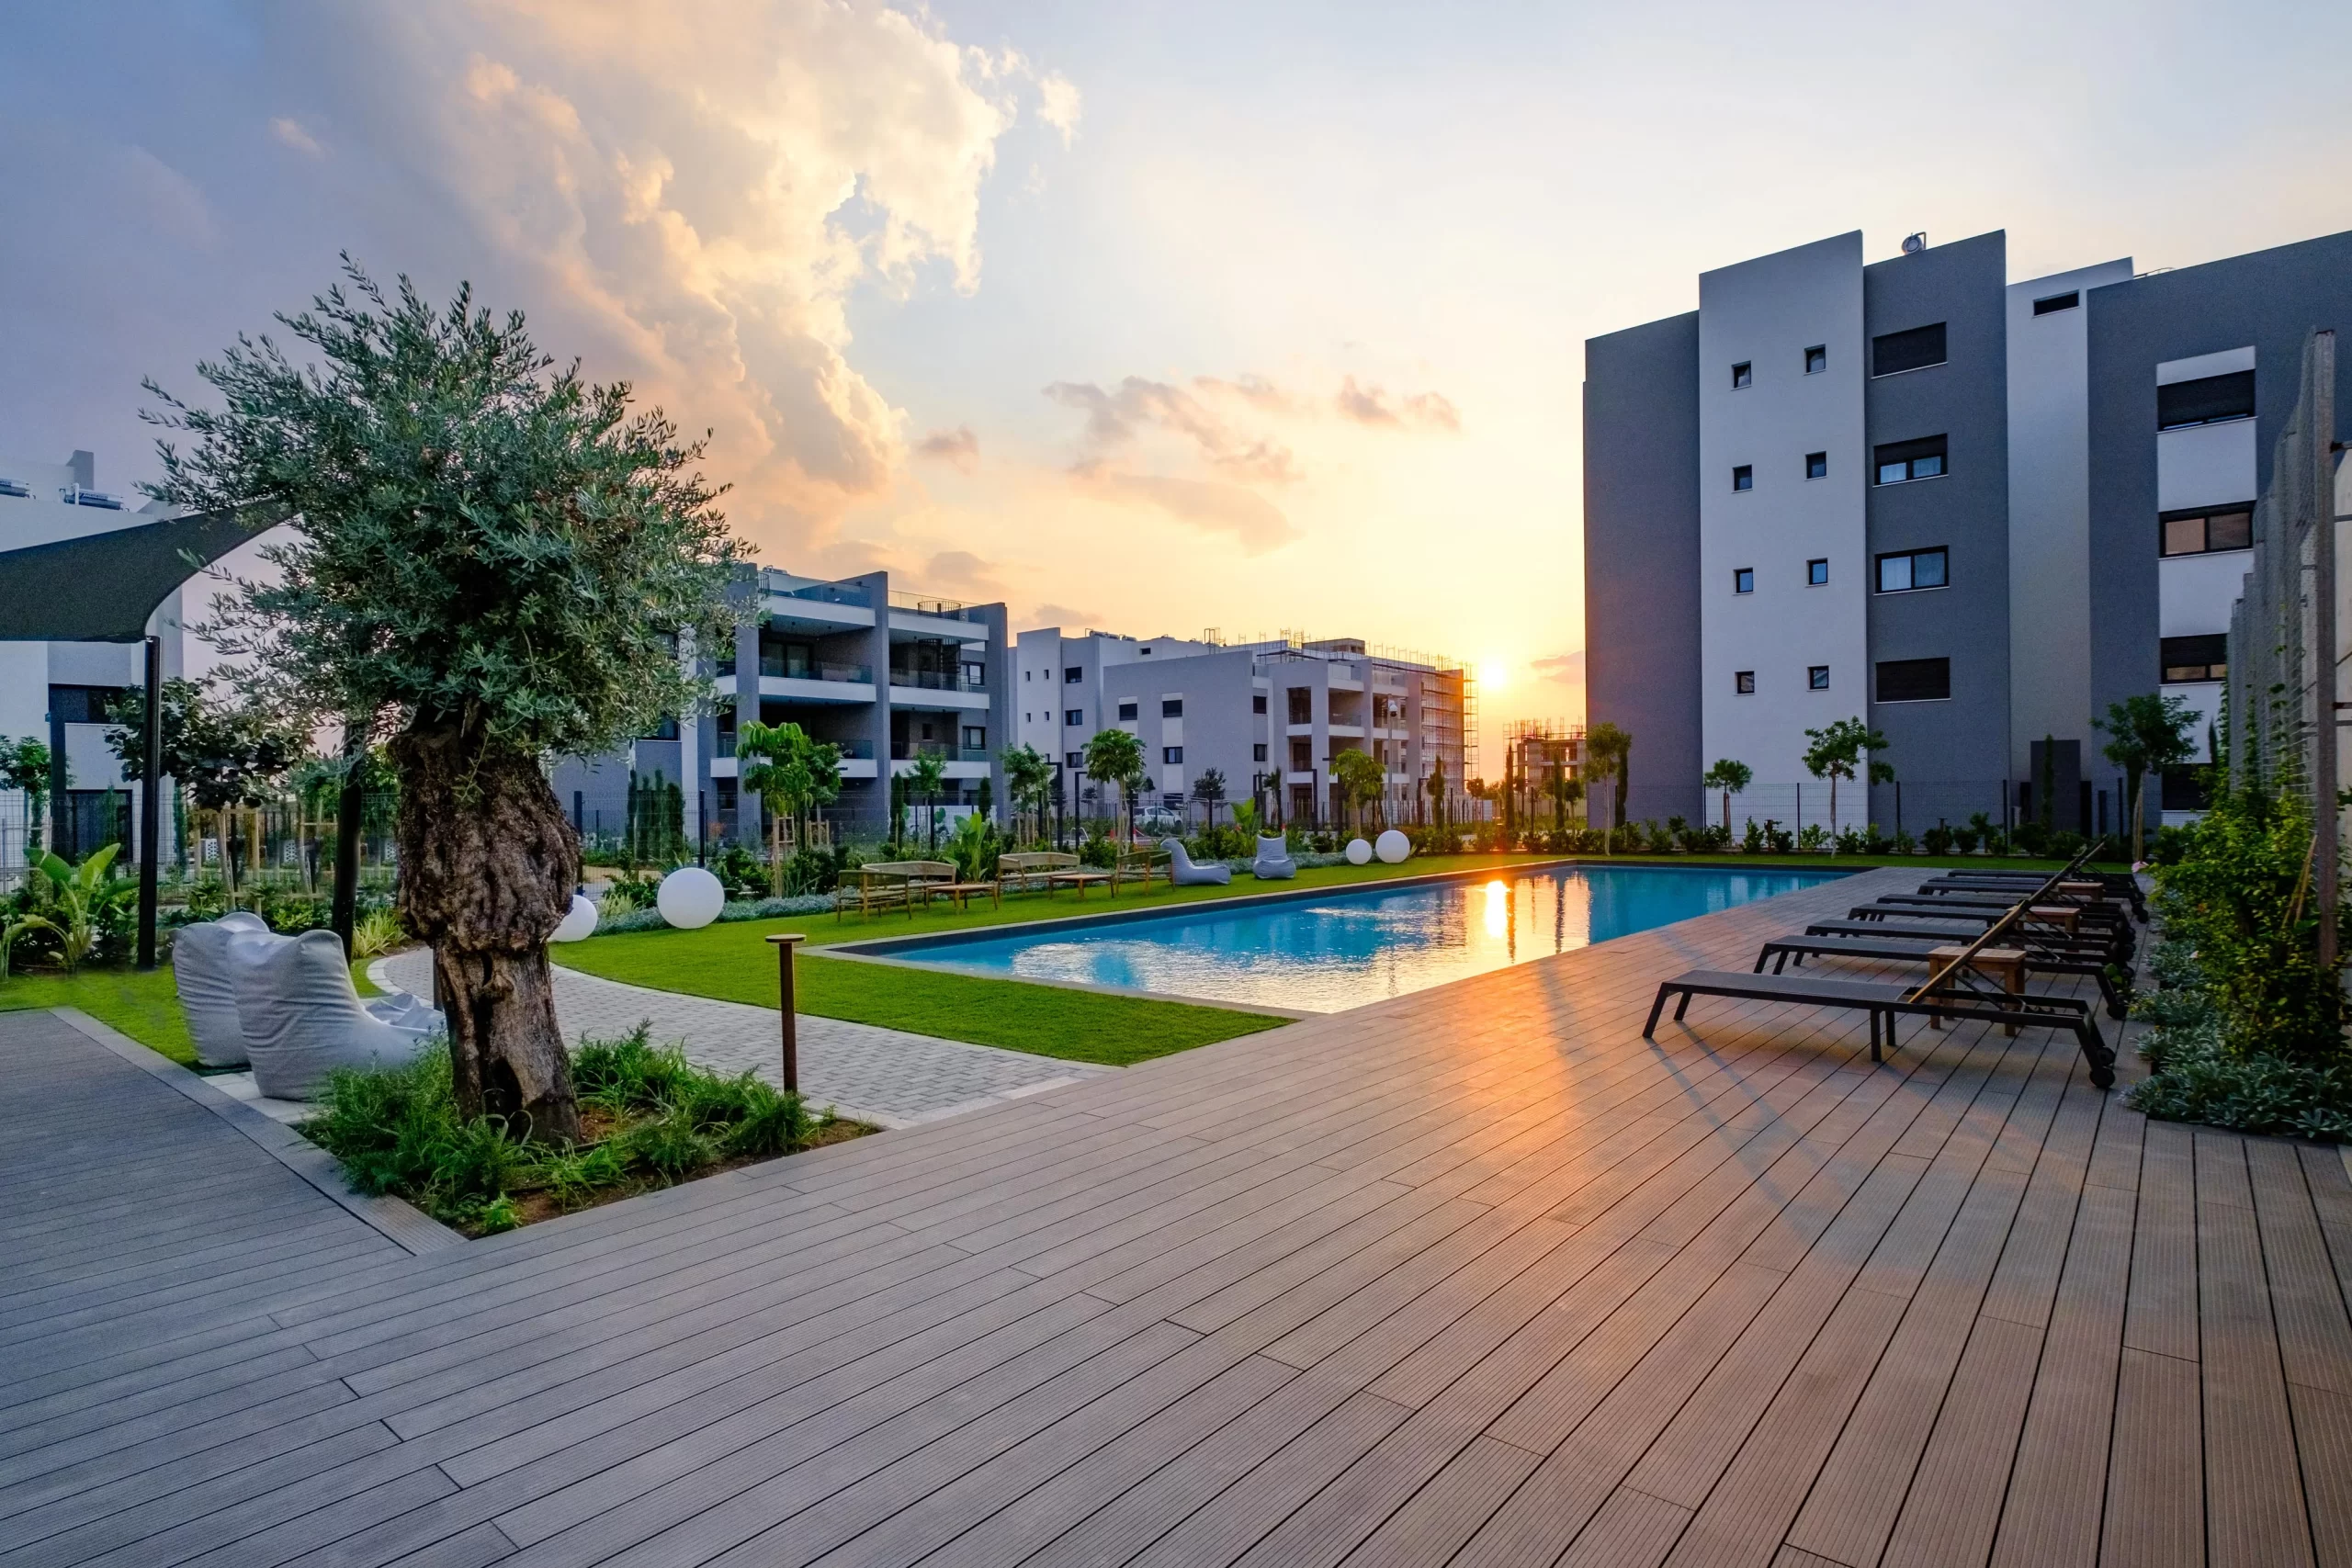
point(784, 944)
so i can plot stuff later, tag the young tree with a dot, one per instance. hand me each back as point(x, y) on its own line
point(1028, 780)
point(1609, 755)
point(496, 562)
point(1362, 780)
point(1434, 787)
point(1565, 791)
point(1115, 757)
point(227, 753)
point(1730, 777)
point(2149, 734)
point(25, 765)
point(1209, 790)
point(1838, 752)
point(774, 765)
point(926, 780)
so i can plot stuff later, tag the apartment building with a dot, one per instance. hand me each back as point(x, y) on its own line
point(63, 693)
point(1267, 715)
point(888, 676)
point(1973, 511)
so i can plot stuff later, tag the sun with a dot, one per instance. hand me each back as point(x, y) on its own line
point(1494, 674)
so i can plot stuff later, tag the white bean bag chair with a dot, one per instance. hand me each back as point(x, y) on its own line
point(1274, 862)
point(1183, 873)
point(206, 989)
point(302, 1017)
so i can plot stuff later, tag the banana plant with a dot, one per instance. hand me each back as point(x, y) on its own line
point(10, 929)
point(82, 895)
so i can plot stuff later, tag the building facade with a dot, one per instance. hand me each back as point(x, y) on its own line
point(1972, 511)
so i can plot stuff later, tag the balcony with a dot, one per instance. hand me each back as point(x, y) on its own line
point(787, 670)
point(907, 751)
point(828, 594)
point(934, 681)
point(935, 608)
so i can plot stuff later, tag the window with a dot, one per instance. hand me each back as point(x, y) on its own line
point(976, 738)
point(1128, 711)
point(1257, 752)
point(1074, 718)
point(1914, 569)
point(1256, 702)
point(1743, 581)
point(1816, 678)
point(2196, 658)
point(1743, 476)
point(1914, 679)
point(1899, 461)
point(2210, 399)
point(1074, 761)
point(1302, 704)
point(96, 704)
point(2202, 530)
point(1894, 353)
point(1172, 754)
point(726, 788)
point(1073, 675)
point(1024, 676)
point(1301, 756)
point(1172, 708)
point(2184, 788)
point(1816, 574)
point(1744, 683)
point(1817, 465)
point(1741, 376)
point(2050, 304)
point(1817, 359)
point(664, 728)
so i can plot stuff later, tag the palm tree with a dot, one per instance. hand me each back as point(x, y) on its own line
point(1114, 756)
point(1209, 790)
point(2151, 733)
point(1029, 779)
point(1730, 777)
point(925, 781)
point(1611, 750)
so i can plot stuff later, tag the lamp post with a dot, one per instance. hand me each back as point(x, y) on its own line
point(784, 944)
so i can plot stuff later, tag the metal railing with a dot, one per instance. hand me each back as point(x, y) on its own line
point(827, 593)
point(934, 681)
point(777, 669)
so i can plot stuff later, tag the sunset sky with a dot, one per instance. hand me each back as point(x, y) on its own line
point(1151, 318)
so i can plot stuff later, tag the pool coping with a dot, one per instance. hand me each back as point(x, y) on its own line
point(884, 950)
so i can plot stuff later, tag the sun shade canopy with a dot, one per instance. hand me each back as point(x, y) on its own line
point(103, 587)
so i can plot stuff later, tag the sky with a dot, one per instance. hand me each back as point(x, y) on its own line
point(1151, 318)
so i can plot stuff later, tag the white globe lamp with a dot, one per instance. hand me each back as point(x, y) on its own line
point(690, 897)
point(579, 921)
point(1393, 847)
point(1358, 853)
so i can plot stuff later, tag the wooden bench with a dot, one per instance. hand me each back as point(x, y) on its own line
point(1141, 865)
point(1029, 870)
point(891, 883)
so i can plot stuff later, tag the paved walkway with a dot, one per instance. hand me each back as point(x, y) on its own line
point(1472, 1277)
point(883, 1076)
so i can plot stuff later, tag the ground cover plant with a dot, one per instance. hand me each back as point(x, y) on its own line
point(648, 1117)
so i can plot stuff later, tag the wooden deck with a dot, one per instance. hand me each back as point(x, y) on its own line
point(1471, 1276)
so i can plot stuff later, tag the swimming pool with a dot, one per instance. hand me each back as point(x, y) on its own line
point(1323, 953)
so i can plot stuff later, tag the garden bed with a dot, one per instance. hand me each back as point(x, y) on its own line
point(651, 1120)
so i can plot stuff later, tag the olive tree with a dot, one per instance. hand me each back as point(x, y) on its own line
point(494, 564)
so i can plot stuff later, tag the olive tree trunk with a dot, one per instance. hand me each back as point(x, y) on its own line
point(488, 863)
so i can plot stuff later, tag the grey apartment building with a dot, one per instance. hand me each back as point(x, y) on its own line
point(1268, 716)
point(888, 676)
point(1973, 511)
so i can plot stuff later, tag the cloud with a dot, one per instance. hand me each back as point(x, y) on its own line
point(958, 448)
point(1256, 523)
point(1568, 668)
point(1053, 615)
point(1059, 104)
point(292, 134)
point(1114, 418)
point(1369, 405)
point(962, 572)
point(167, 200)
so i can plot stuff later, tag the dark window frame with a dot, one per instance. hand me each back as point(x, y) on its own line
point(1072, 674)
point(1817, 465)
point(1913, 348)
point(1877, 570)
point(1908, 455)
point(1743, 478)
point(1172, 708)
point(1073, 718)
point(1817, 677)
point(1743, 579)
point(1172, 756)
point(1131, 711)
point(1816, 358)
point(1914, 679)
point(2050, 304)
point(1817, 572)
point(1743, 683)
point(2207, 516)
point(2201, 401)
point(2187, 661)
point(1743, 376)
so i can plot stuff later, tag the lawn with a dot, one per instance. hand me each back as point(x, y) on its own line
point(145, 1007)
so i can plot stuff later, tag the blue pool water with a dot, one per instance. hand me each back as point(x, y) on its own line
point(1342, 950)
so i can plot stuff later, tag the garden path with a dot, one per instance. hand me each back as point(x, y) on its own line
point(888, 1077)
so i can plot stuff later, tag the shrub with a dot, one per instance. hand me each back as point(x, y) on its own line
point(1939, 840)
point(1813, 838)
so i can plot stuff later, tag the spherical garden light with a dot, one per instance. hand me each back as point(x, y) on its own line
point(578, 922)
point(1358, 853)
point(1392, 847)
point(690, 897)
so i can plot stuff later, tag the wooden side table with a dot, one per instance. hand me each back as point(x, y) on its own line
point(1081, 880)
point(2005, 965)
point(2065, 917)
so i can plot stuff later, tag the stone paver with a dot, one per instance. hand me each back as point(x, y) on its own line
point(886, 1077)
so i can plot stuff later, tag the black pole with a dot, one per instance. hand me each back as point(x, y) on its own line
point(791, 1035)
point(150, 805)
point(350, 809)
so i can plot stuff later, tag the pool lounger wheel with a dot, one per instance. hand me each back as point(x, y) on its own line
point(1884, 1002)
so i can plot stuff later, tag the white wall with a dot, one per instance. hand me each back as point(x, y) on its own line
point(1766, 312)
point(2049, 568)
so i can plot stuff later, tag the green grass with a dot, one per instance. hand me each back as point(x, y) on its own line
point(145, 1007)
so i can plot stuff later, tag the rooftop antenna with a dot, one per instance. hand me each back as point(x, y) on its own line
point(1914, 243)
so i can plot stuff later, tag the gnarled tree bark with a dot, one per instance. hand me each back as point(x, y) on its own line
point(488, 865)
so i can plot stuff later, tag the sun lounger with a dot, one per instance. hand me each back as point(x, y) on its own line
point(1781, 950)
point(1183, 873)
point(1885, 1002)
point(2055, 942)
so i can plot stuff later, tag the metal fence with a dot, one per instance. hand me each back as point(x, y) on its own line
point(2284, 695)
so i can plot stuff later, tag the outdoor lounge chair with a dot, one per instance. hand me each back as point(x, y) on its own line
point(302, 1017)
point(1781, 950)
point(1141, 864)
point(1960, 932)
point(1183, 873)
point(892, 883)
point(208, 988)
point(1274, 862)
point(1885, 1002)
point(1027, 871)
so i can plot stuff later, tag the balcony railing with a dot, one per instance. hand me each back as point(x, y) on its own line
point(829, 594)
point(908, 750)
point(942, 609)
point(779, 670)
point(935, 680)
point(856, 751)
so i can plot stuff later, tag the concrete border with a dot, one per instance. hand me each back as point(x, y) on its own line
point(407, 1227)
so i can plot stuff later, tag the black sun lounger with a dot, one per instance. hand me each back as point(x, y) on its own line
point(1781, 949)
point(1884, 1003)
point(1902, 920)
